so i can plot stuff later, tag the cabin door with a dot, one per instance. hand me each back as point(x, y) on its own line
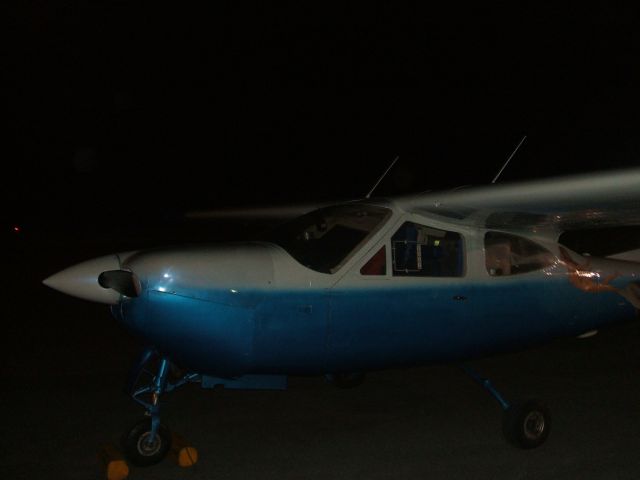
point(406, 302)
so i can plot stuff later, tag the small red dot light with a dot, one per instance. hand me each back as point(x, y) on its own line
point(16, 229)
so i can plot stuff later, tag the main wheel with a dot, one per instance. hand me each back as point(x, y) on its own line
point(527, 425)
point(139, 450)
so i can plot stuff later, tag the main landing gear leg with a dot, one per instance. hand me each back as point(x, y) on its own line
point(526, 424)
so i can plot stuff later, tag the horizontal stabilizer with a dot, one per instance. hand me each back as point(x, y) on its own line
point(628, 256)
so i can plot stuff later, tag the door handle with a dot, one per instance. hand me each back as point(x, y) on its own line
point(459, 297)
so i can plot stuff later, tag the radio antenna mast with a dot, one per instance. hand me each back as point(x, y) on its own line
point(509, 159)
point(383, 175)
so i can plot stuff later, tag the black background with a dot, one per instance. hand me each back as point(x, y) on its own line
point(134, 112)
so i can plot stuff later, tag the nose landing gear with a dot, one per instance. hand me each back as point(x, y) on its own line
point(149, 441)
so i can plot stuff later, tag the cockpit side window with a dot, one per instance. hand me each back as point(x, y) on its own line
point(507, 254)
point(421, 251)
point(324, 240)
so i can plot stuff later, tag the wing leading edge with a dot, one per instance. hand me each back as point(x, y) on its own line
point(594, 200)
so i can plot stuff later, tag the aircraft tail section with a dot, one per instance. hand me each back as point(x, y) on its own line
point(628, 256)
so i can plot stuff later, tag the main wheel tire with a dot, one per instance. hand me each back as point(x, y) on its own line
point(142, 453)
point(347, 380)
point(527, 425)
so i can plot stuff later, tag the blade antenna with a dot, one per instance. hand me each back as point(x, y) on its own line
point(383, 175)
point(509, 159)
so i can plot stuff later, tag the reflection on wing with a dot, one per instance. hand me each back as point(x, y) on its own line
point(583, 278)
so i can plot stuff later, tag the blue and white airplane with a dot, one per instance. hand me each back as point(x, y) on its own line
point(373, 284)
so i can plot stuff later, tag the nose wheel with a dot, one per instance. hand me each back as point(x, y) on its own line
point(143, 447)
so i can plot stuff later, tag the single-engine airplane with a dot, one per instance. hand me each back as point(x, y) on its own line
point(373, 284)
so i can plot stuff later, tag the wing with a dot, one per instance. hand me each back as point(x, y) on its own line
point(269, 212)
point(595, 200)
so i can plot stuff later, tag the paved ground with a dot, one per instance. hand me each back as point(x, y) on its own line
point(65, 361)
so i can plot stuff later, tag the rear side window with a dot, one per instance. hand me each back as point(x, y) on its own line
point(507, 254)
point(421, 251)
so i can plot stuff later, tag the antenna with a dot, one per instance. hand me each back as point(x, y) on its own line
point(383, 175)
point(509, 159)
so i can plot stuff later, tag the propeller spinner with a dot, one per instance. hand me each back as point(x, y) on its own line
point(98, 280)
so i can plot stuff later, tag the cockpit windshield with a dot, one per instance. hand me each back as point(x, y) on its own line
point(325, 239)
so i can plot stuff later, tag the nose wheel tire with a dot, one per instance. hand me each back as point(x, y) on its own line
point(527, 425)
point(138, 447)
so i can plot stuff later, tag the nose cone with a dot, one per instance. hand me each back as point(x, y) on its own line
point(81, 280)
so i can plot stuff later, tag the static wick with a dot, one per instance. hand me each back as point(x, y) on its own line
point(509, 159)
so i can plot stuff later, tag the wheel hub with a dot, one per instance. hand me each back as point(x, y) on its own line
point(149, 448)
point(534, 424)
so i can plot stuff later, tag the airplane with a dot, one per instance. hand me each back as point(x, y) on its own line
point(371, 284)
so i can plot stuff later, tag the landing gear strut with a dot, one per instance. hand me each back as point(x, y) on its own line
point(149, 441)
point(525, 425)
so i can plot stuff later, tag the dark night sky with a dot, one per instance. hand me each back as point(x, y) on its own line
point(130, 109)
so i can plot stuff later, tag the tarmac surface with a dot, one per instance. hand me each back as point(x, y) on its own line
point(65, 361)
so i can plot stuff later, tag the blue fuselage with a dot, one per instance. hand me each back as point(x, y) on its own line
point(225, 332)
point(359, 287)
